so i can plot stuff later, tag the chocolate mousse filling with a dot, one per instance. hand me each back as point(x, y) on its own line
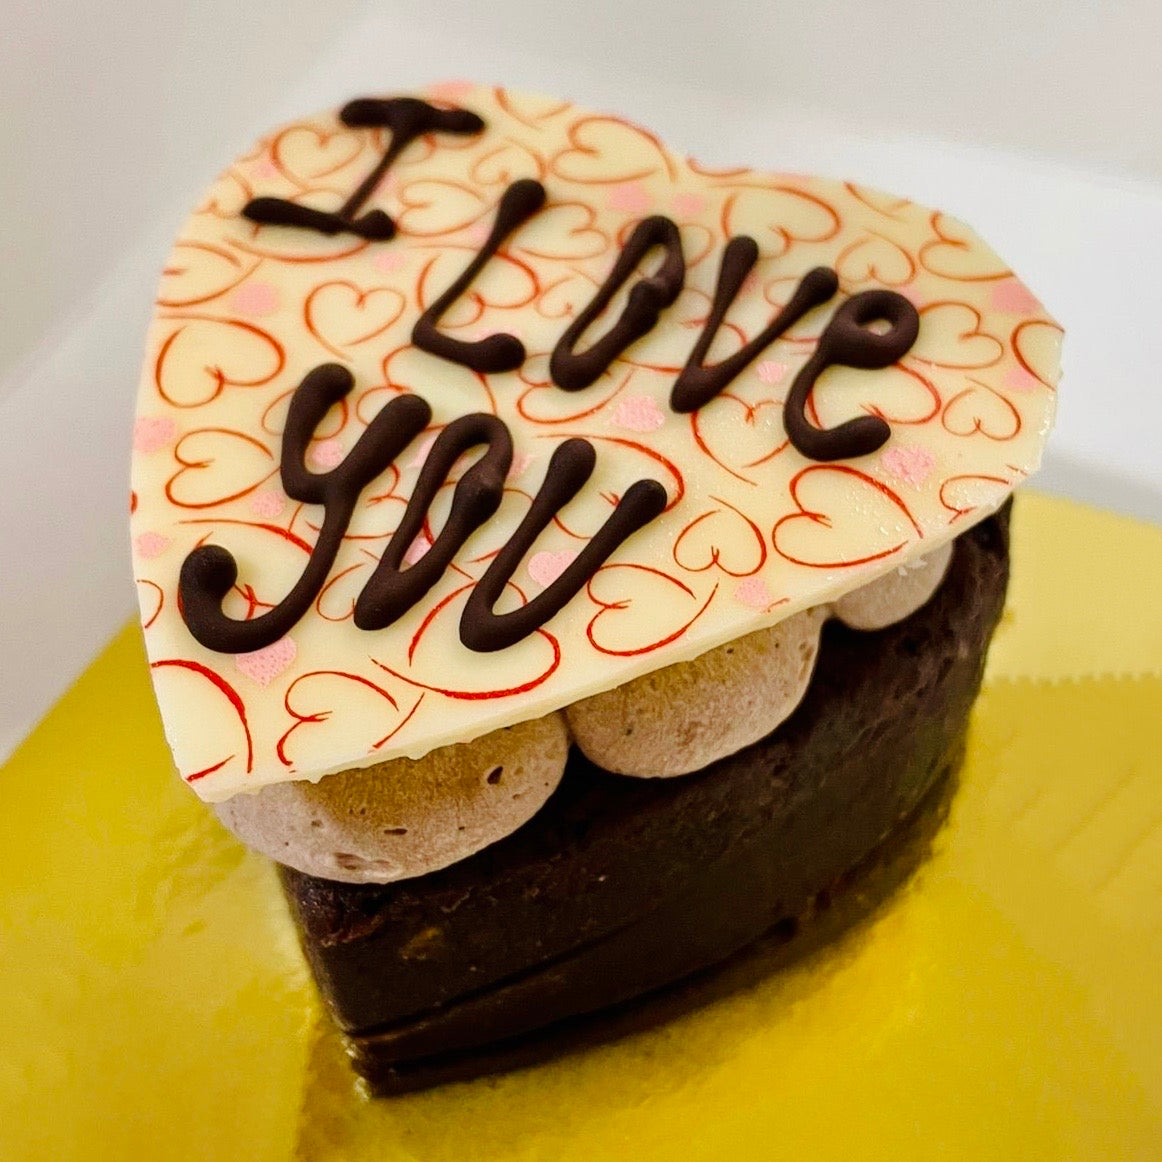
point(620, 887)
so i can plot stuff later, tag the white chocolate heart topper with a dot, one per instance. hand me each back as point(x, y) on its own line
point(463, 408)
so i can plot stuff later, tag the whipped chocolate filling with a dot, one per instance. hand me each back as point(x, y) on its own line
point(408, 817)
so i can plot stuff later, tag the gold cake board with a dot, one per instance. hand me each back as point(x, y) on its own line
point(1005, 1003)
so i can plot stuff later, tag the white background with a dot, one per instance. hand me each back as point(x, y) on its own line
point(1040, 123)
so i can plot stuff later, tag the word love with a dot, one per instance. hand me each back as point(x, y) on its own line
point(871, 330)
point(209, 572)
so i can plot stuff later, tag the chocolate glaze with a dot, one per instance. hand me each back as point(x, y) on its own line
point(393, 590)
point(408, 118)
point(648, 298)
point(619, 886)
point(848, 341)
point(570, 466)
point(698, 384)
point(850, 899)
point(210, 571)
point(500, 352)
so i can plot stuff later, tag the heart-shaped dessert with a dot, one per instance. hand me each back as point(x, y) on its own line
point(486, 446)
point(541, 280)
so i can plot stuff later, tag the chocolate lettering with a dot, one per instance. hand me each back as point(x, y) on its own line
point(393, 590)
point(698, 384)
point(408, 118)
point(210, 571)
point(647, 299)
point(499, 352)
point(569, 469)
point(850, 341)
point(870, 330)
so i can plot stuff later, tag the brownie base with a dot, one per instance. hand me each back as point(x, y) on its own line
point(840, 907)
point(619, 887)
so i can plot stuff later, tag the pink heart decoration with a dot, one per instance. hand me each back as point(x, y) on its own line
point(152, 433)
point(264, 665)
point(270, 502)
point(150, 545)
point(545, 568)
point(256, 300)
point(909, 463)
point(638, 413)
point(1014, 297)
point(754, 593)
point(769, 371)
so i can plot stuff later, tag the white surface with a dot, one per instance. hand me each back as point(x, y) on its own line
point(1087, 244)
point(113, 113)
point(105, 112)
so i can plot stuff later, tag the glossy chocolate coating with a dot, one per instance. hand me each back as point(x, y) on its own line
point(621, 886)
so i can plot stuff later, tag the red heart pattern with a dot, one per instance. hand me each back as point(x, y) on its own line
point(340, 314)
point(842, 518)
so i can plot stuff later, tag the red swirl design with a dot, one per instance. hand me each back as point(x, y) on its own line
point(262, 363)
point(823, 523)
point(309, 718)
point(230, 694)
point(708, 554)
point(608, 608)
